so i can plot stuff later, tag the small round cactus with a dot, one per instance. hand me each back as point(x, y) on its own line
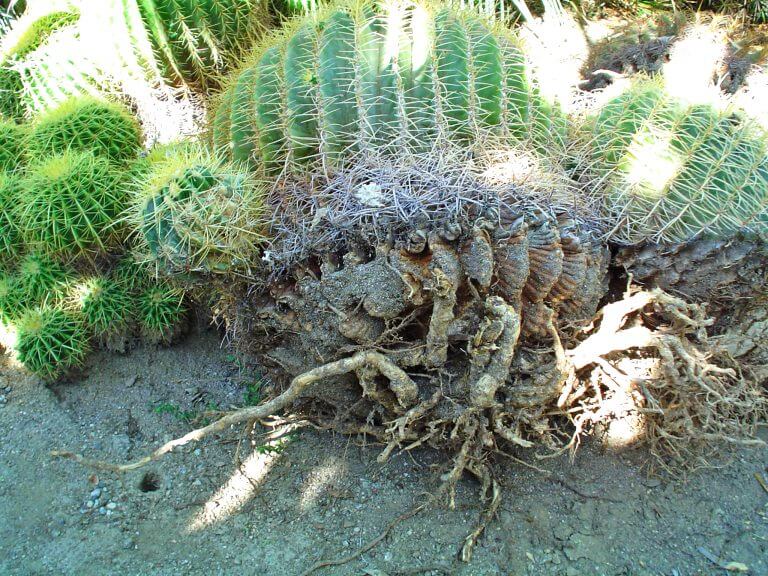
point(194, 213)
point(13, 144)
point(39, 278)
point(105, 305)
point(69, 203)
point(672, 171)
point(50, 341)
point(86, 123)
point(10, 238)
point(161, 312)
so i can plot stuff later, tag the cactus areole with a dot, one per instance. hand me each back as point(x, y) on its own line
point(359, 77)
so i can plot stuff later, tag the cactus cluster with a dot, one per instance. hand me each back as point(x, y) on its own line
point(360, 76)
point(672, 171)
point(86, 123)
point(195, 213)
point(192, 42)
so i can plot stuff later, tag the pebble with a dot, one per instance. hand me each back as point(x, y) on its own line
point(95, 493)
point(2, 399)
point(102, 510)
point(89, 504)
point(111, 506)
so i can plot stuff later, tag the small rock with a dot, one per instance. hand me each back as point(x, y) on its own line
point(111, 506)
point(89, 504)
point(198, 451)
point(102, 510)
point(95, 493)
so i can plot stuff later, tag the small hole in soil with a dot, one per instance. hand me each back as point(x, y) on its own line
point(150, 482)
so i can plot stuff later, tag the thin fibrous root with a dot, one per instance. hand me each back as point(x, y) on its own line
point(404, 388)
point(488, 514)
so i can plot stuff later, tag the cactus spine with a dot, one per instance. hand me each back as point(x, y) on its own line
point(10, 237)
point(358, 77)
point(672, 172)
point(13, 143)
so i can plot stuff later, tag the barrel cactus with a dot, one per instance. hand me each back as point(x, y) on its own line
point(192, 42)
point(106, 307)
point(13, 142)
point(671, 171)
point(69, 203)
point(50, 341)
point(87, 123)
point(161, 312)
point(39, 277)
point(195, 213)
point(361, 77)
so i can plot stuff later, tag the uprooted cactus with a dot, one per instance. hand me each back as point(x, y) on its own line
point(358, 77)
point(672, 172)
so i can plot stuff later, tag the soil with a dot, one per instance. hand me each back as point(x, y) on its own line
point(322, 496)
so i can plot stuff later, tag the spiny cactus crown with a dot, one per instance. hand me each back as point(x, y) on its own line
point(361, 76)
point(69, 203)
point(195, 213)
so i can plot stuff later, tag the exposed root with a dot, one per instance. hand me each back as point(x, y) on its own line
point(370, 545)
point(397, 377)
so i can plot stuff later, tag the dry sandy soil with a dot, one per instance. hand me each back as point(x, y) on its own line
point(213, 509)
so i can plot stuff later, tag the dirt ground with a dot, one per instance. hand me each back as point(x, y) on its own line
point(209, 509)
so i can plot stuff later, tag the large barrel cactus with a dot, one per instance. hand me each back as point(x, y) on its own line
point(672, 172)
point(361, 76)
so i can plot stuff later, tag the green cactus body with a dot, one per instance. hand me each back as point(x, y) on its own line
point(13, 145)
point(193, 40)
point(355, 78)
point(672, 172)
point(39, 277)
point(10, 237)
point(35, 33)
point(105, 305)
point(86, 123)
point(50, 341)
point(69, 203)
point(196, 214)
point(9, 299)
point(161, 312)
